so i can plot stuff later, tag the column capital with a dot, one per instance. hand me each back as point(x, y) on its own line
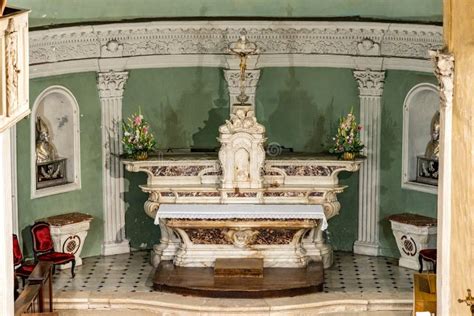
point(444, 71)
point(232, 77)
point(370, 82)
point(111, 84)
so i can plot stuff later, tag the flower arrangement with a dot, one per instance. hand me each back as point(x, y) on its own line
point(347, 140)
point(137, 139)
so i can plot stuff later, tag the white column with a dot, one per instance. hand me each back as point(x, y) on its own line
point(444, 71)
point(370, 94)
point(111, 86)
point(6, 243)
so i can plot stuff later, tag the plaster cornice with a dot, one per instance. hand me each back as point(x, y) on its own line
point(204, 43)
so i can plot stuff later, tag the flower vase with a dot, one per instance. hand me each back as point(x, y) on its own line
point(348, 155)
point(141, 155)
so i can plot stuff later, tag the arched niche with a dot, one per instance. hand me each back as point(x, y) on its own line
point(419, 107)
point(59, 109)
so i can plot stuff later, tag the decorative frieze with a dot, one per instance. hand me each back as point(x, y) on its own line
point(211, 37)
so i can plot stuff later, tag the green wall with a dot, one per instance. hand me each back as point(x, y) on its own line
point(185, 106)
point(394, 199)
point(300, 108)
point(48, 12)
point(89, 198)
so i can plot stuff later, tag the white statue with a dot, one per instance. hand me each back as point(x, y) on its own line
point(242, 121)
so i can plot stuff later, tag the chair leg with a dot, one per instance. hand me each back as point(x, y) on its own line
point(73, 265)
point(23, 282)
point(54, 269)
point(420, 259)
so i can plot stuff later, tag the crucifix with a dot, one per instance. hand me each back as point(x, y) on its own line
point(243, 48)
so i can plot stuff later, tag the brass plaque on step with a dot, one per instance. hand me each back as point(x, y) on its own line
point(245, 267)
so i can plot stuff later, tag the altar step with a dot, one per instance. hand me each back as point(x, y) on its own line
point(276, 282)
point(243, 268)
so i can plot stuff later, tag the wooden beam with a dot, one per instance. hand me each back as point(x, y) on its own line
point(459, 37)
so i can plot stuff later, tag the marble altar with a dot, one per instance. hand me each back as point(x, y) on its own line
point(289, 180)
point(230, 184)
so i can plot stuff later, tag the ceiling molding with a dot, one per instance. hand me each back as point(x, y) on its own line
point(159, 44)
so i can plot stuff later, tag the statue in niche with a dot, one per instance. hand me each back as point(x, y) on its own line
point(428, 164)
point(50, 168)
point(45, 150)
point(432, 149)
point(242, 165)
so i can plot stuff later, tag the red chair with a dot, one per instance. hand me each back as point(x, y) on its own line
point(427, 255)
point(23, 270)
point(43, 247)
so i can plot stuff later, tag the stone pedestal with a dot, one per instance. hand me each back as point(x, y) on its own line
point(69, 232)
point(413, 233)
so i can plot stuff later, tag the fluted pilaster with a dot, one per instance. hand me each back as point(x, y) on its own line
point(111, 86)
point(370, 94)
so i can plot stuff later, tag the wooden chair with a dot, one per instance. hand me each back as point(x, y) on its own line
point(23, 270)
point(427, 255)
point(44, 249)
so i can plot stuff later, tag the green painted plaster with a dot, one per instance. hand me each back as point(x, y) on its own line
point(185, 107)
point(394, 199)
point(300, 108)
point(48, 12)
point(89, 198)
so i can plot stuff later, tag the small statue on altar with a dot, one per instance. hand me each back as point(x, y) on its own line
point(242, 121)
point(45, 150)
point(432, 148)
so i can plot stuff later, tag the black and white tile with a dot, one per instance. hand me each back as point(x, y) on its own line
point(133, 273)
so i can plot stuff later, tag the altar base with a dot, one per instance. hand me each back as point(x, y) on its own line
point(276, 282)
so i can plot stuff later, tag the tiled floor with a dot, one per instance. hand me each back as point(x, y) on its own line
point(133, 273)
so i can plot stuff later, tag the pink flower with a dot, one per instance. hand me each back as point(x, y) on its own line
point(145, 130)
point(138, 119)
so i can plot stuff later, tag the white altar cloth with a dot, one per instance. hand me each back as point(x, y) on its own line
point(241, 211)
